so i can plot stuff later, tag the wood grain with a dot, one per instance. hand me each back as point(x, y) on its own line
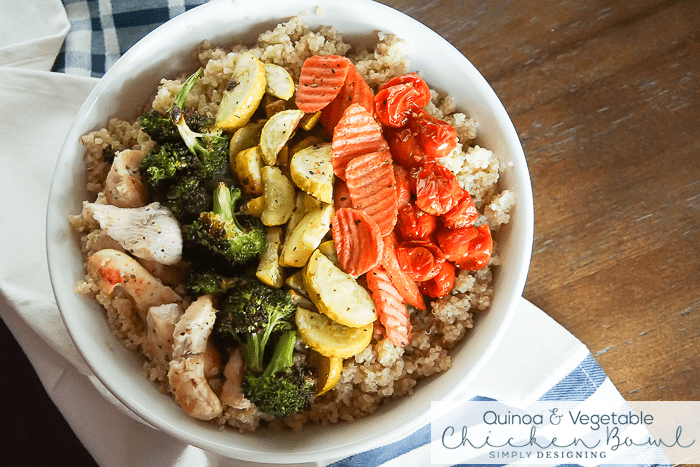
point(604, 96)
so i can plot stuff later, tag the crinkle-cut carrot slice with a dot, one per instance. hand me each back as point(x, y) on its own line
point(372, 187)
point(357, 240)
point(320, 81)
point(341, 195)
point(406, 286)
point(354, 91)
point(391, 309)
point(356, 133)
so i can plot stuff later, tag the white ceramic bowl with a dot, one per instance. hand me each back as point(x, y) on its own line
point(167, 51)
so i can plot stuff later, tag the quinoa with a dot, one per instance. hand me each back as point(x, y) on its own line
point(381, 372)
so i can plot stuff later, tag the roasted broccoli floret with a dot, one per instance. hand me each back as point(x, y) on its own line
point(187, 158)
point(203, 281)
point(223, 238)
point(283, 388)
point(250, 313)
point(210, 146)
point(187, 198)
point(165, 164)
point(161, 128)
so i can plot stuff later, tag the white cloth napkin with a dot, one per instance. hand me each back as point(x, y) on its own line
point(38, 108)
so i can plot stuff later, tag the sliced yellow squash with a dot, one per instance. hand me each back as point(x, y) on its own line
point(330, 338)
point(279, 82)
point(278, 193)
point(328, 371)
point(256, 206)
point(307, 236)
point(328, 250)
point(269, 270)
point(276, 132)
point(243, 138)
point(300, 300)
point(304, 203)
point(248, 170)
point(243, 93)
point(307, 141)
point(310, 120)
point(336, 294)
point(296, 282)
point(312, 171)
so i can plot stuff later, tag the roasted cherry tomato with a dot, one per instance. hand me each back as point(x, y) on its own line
point(414, 81)
point(436, 188)
point(441, 284)
point(404, 146)
point(462, 215)
point(437, 138)
point(480, 249)
point(414, 224)
point(455, 243)
point(403, 186)
point(399, 97)
point(419, 259)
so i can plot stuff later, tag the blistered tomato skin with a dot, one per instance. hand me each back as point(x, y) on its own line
point(421, 260)
point(404, 146)
point(480, 250)
point(399, 97)
point(440, 285)
point(437, 137)
point(414, 224)
point(436, 188)
point(455, 243)
point(464, 214)
point(417, 83)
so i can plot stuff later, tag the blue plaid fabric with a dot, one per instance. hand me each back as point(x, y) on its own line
point(102, 30)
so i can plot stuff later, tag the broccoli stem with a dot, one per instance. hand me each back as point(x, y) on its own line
point(186, 88)
point(282, 355)
point(253, 352)
point(255, 344)
point(225, 201)
point(177, 115)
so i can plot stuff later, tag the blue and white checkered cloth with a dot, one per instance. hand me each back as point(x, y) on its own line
point(102, 30)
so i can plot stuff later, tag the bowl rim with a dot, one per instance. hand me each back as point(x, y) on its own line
point(56, 224)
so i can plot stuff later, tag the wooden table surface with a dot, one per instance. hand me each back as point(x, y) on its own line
point(605, 98)
point(604, 95)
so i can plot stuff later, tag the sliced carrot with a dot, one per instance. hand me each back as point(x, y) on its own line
point(403, 186)
point(391, 309)
point(355, 91)
point(406, 286)
point(356, 133)
point(357, 240)
point(372, 187)
point(341, 195)
point(320, 81)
